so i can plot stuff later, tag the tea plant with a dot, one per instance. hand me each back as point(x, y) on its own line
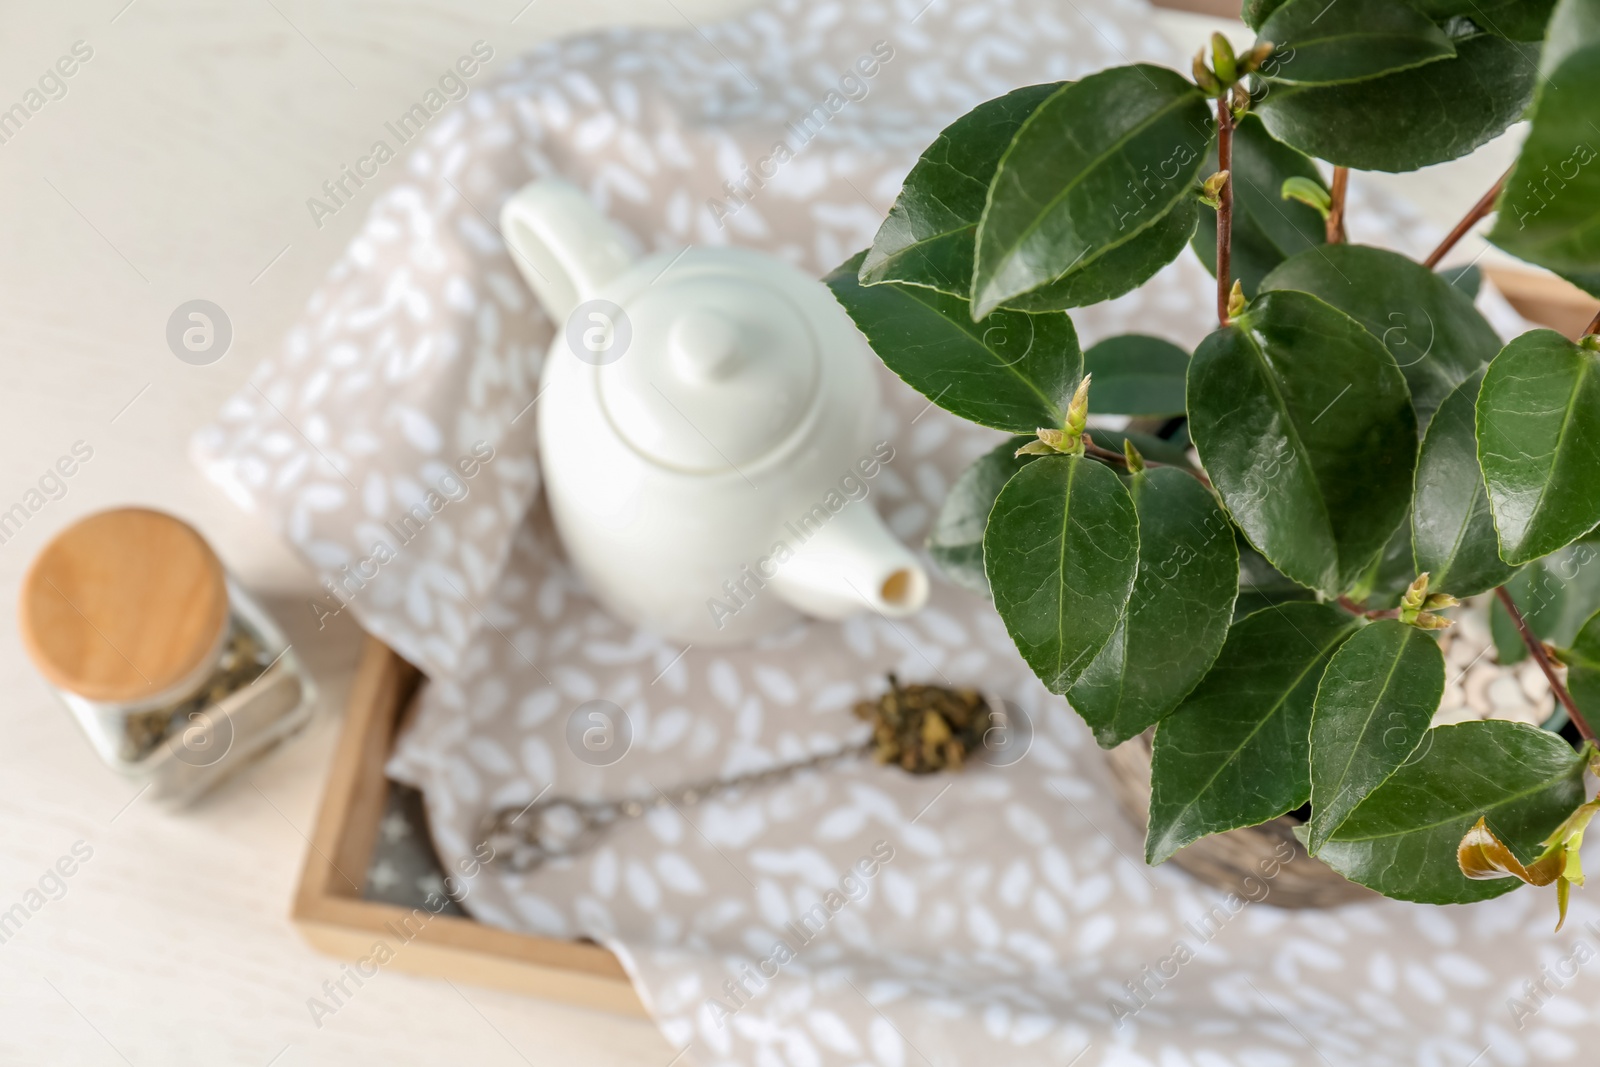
point(1368, 452)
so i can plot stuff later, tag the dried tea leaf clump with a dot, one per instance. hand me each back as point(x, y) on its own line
point(925, 728)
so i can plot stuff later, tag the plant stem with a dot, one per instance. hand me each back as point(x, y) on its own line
point(1484, 205)
point(1092, 449)
point(1224, 209)
point(1356, 609)
point(1593, 327)
point(1341, 182)
point(1541, 657)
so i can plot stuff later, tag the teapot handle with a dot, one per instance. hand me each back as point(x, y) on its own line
point(566, 250)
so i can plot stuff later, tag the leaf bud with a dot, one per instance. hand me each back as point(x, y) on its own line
point(1078, 410)
point(1251, 61)
point(1203, 76)
point(1236, 300)
point(1211, 190)
point(1131, 455)
point(1223, 60)
point(1308, 192)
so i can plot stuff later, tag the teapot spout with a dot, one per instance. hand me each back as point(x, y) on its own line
point(848, 564)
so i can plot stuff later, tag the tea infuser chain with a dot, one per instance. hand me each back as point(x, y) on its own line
point(524, 839)
point(919, 728)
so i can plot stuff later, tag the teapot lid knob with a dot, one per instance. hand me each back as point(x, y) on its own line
point(705, 346)
point(722, 368)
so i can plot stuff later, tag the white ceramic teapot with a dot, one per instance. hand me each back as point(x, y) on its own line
point(705, 432)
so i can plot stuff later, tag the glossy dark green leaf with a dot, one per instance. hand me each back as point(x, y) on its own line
point(1555, 595)
point(1267, 229)
point(1430, 327)
point(1303, 422)
point(1402, 840)
point(1547, 210)
point(1261, 584)
point(956, 542)
point(1012, 371)
point(1583, 668)
point(1452, 530)
point(1388, 575)
point(1177, 616)
point(1539, 443)
point(1323, 43)
point(929, 236)
point(1373, 707)
point(1255, 12)
point(1122, 269)
point(1060, 552)
point(1095, 164)
point(1431, 114)
point(1237, 751)
point(1467, 278)
point(1520, 20)
point(1135, 374)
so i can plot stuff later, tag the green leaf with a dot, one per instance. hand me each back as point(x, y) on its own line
point(1323, 43)
point(1255, 12)
point(1390, 573)
point(1402, 840)
point(1261, 585)
point(1519, 20)
point(1430, 327)
point(1267, 229)
point(1303, 423)
point(1177, 617)
point(1539, 443)
point(1430, 114)
point(956, 541)
point(1583, 668)
point(1060, 551)
point(1135, 374)
point(1555, 595)
point(1012, 370)
point(1097, 163)
point(1237, 751)
point(1467, 278)
point(1121, 270)
point(1373, 707)
point(1549, 209)
point(929, 236)
point(1452, 530)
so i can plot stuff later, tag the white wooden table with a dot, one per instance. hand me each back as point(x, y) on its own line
point(177, 166)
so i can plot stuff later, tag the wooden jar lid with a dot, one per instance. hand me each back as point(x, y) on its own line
point(123, 605)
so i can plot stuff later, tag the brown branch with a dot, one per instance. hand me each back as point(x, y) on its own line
point(1356, 609)
point(1484, 205)
point(1224, 209)
point(1341, 182)
point(1593, 327)
point(1108, 456)
point(1540, 656)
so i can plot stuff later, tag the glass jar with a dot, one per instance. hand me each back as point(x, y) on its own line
point(176, 675)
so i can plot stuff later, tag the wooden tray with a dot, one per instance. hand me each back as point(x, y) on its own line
point(328, 906)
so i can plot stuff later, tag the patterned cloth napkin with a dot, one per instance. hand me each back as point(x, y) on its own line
point(856, 915)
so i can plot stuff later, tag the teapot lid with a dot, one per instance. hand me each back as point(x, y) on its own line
point(718, 371)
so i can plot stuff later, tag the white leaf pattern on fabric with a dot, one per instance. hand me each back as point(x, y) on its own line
point(1010, 915)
